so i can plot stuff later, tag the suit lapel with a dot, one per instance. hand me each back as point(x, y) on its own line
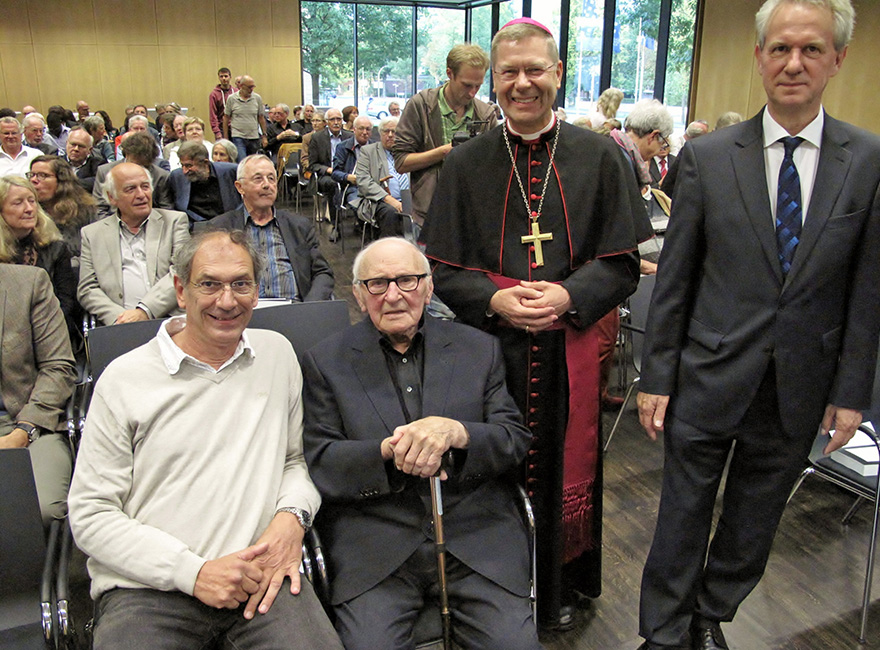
point(831, 173)
point(751, 177)
point(371, 369)
point(155, 233)
point(111, 246)
point(440, 362)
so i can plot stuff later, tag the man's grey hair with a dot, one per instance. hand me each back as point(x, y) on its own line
point(182, 264)
point(247, 160)
point(285, 108)
point(318, 115)
point(696, 128)
point(649, 115)
point(108, 187)
point(11, 120)
point(359, 258)
point(390, 104)
point(79, 128)
point(192, 150)
point(386, 122)
point(136, 118)
point(93, 123)
point(30, 117)
point(842, 12)
point(728, 119)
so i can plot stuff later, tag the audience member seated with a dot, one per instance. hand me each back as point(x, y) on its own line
point(82, 111)
point(191, 496)
point(65, 201)
point(304, 123)
point(83, 158)
point(281, 130)
point(193, 131)
point(201, 188)
point(296, 269)
point(126, 259)
point(317, 125)
point(224, 151)
point(29, 237)
point(136, 124)
point(349, 114)
point(378, 183)
point(56, 125)
point(385, 400)
point(394, 109)
point(322, 149)
point(345, 158)
point(139, 148)
point(38, 374)
point(36, 136)
point(111, 132)
point(167, 134)
point(15, 158)
point(172, 146)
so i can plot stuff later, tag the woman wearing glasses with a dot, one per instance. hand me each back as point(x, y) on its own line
point(63, 199)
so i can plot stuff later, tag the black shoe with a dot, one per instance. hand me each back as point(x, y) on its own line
point(707, 635)
point(564, 623)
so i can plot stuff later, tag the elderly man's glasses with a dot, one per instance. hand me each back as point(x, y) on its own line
point(215, 287)
point(533, 72)
point(378, 286)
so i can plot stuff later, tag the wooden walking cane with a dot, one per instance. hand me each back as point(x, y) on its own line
point(440, 546)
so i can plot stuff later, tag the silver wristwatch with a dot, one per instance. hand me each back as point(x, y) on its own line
point(32, 430)
point(305, 518)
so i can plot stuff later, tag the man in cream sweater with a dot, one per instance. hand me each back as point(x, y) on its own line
point(191, 495)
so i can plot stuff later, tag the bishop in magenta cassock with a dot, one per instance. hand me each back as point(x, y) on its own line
point(533, 232)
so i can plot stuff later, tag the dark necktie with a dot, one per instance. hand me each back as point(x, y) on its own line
point(789, 211)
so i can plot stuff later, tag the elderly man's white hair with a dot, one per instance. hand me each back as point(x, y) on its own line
point(359, 259)
point(841, 10)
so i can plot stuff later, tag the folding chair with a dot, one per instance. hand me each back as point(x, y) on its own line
point(638, 319)
point(28, 565)
point(304, 324)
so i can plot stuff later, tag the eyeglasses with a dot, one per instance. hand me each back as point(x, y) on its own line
point(215, 287)
point(40, 176)
point(533, 72)
point(664, 143)
point(378, 286)
point(391, 131)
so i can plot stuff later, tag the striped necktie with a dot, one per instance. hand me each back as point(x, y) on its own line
point(789, 211)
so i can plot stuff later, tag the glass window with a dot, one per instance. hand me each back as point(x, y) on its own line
point(439, 30)
point(583, 71)
point(634, 59)
point(384, 57)
point(328, 53)
point(679, 61)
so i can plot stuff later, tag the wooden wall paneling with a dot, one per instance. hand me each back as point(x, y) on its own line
point(285, 24)
point(244, 21)
point(20, 75)
point(230, 55)
point(51, 65)
point(126, 23)
point(190, 24)
point(15, 25)
point(82, 70)
point(188, 75)
point(56, 22)
point(3, 96)
point(115, 80)
point(286, 79)
point(146, 82)
point(259, 65)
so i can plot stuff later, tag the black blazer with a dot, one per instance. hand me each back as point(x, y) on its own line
point(722, 309)
point(351, 405)
point(181, 186)
point(314, 277)
point(320, 159)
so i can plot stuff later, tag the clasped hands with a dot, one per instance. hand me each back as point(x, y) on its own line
point(534, 306)
point(418, 447)
point(255, 574)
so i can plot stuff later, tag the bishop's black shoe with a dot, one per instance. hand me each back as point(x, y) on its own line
point(707, 635)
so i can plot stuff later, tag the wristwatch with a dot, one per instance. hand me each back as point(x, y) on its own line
point(32, 430)
point(305, 518)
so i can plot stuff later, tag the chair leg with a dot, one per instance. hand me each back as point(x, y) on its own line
point(852, 511)
point(629, 392)
point(804, 474)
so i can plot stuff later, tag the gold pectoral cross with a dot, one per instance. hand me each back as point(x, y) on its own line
point(536, 238)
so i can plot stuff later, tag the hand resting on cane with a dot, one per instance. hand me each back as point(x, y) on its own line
point(418, 447)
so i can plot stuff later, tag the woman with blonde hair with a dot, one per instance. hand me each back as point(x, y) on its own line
point(63, 199)
point(28, 236)
point(606, 107)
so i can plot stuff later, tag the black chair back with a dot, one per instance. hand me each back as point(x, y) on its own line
point(304, 324)
point(111, 341)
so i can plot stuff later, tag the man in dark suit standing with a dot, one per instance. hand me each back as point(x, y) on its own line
point(384, 401)
point(202, 188)
point(296, 269)
point(756, 336)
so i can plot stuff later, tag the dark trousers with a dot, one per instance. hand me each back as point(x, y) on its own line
point(484, 615)
point(147, 619)
point(387, 220)
point(679, 579)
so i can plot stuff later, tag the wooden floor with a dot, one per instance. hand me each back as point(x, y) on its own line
point(810, 596)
